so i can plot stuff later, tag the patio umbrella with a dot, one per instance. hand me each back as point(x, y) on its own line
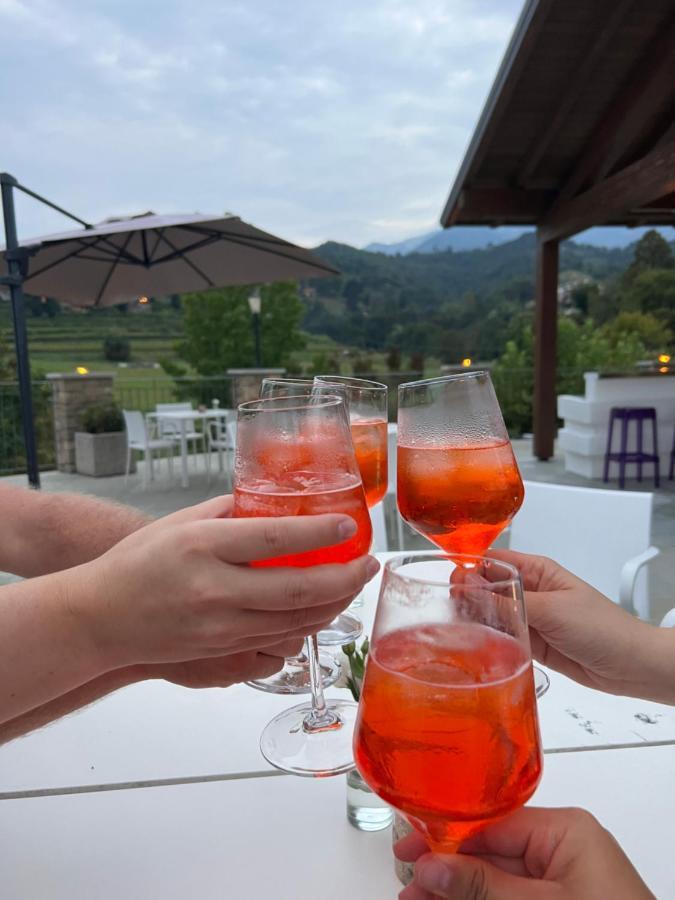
point(122, 259)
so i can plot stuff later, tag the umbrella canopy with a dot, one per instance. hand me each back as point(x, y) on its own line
point(122, 259)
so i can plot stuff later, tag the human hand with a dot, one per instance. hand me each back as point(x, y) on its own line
point(180, 589)
point(534, 854)
point(577, 631)
point(223, 671)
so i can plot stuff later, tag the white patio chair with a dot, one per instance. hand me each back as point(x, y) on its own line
point(221, 436)
point(171, 428)
point(602, 536)
point(139, 439)
point(668, 621)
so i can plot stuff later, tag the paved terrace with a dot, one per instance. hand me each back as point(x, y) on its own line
point(162, 497)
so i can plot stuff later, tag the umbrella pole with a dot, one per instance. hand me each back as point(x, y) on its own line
point(16, 272)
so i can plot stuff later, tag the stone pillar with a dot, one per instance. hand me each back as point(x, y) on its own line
point(73, 395)
point(246, 383)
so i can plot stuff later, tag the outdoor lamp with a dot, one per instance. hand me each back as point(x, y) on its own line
point(255, 305)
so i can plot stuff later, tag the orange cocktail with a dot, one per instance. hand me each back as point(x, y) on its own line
point(447, 730)
point(461, 498)
point(370, 445)
point(308, 495)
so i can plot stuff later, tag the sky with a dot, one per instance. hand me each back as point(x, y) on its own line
point(343, 121)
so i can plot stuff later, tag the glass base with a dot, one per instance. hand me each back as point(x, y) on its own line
point(342, 630)
point(294, 677)
point(288, 744)
point(541, 681)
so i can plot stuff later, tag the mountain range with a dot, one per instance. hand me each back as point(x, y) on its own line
point(478, 237)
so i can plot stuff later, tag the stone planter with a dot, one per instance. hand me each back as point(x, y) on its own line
point(101, 454)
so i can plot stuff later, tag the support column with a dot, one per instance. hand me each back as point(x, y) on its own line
point(545, 348)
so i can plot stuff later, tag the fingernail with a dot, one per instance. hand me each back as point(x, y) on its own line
point(372, 567)
point(347, 529)
point(433, 875)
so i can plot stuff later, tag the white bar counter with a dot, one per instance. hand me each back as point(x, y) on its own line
point(583, 439)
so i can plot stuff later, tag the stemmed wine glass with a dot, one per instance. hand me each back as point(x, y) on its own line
point(294, 678)
point(458, 480)
point(367, 408)
point(295, 456)
point(447, 730)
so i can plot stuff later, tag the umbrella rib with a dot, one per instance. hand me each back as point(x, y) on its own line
point(188, 262)
point(244, 243)
point(177, 253)
point(107, 278)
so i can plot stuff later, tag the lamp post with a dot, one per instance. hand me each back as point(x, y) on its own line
point(255, 305)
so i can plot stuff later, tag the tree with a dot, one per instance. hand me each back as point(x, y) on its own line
point(646, 327)
point(116, 348)
point(651, 252)
point(581, 348)
point(219, 329)
point(651, 291)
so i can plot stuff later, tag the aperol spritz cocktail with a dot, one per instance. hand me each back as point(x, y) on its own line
point(458, 480)
point(367, 407)
point(295, 457)
point(447, 729)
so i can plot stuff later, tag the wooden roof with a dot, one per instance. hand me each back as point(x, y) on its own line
point(578, 128)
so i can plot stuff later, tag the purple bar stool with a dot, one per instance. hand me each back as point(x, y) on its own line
point(672, 458)
point(625, 415)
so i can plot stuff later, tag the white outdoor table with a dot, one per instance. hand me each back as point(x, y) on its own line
point(156, 732)
point(183, 417)
point(285, 837)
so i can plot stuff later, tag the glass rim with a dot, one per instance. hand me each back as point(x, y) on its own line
point(440, 378)
point(280, 404)
point(281, 380)
point(364, 384)
point(393, 565)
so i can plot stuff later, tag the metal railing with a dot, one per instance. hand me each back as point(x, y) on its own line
point(12, 448)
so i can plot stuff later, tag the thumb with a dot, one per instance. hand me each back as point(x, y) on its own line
point(461, 877)
point(216, 508)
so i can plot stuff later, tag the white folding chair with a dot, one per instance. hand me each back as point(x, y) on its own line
point(139, 439)
point(222, 438)
point(603, 536)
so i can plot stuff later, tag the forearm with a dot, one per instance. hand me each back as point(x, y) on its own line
point(46, 646)
point(46, 533)
point(69, 702)
point(653, 671)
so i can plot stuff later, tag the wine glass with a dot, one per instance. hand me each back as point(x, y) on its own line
point(458, 480)
point(447, 730)
point(295, 456)
point(294, 678)
point(367, 407)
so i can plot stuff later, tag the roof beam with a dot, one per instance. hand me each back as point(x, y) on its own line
point(517, 54)
point(628, 112)
point(639, 184)
point(590, 58)
point(495, 204)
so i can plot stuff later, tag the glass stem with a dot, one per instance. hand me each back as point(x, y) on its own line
point(319, 718)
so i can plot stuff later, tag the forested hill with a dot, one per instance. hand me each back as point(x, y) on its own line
point(439, 303)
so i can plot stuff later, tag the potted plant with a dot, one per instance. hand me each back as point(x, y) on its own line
point(101, 446)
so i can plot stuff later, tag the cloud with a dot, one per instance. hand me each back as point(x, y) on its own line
point(344, 122)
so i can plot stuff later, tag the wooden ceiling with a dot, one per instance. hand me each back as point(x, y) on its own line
point(579, 127)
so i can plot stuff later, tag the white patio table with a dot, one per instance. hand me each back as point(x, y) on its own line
point(184, 417)
point(158, 733)
point(285, 837)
